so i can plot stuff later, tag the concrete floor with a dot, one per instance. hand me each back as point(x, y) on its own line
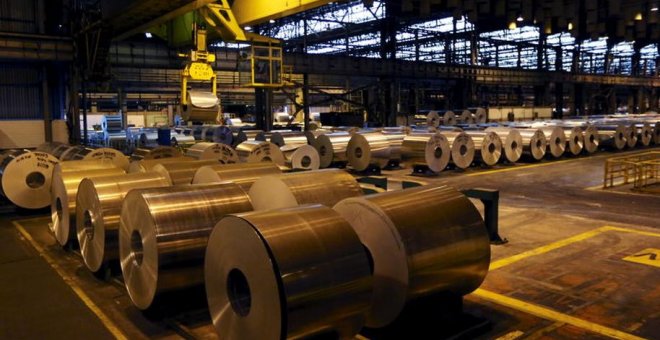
point(562, 274)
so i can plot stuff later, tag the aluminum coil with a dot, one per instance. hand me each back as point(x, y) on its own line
point(433, 119)
point(591, 139)
point(207, 133)
point(257, 135)
point(534, 143)
point(631, 135)
point(243, 174)
point(645, 132)
point(512, 142)
point(466, 117)
point(487, 146)
point(462, 148)
point(301, 157)
point(98, 210)
point(25, 177)
point(290, 138)
point(575, 140)
point(89, 164)
point(258, 151)
point(368, 149)
point(111, 123)
point(556, 140)
point(395, 140)
point(70, 153)
point(115, 156)
point(202, 107)
point(180, 138)
point(332, 147)
point(449, 118)
point(481, 116)
point(292, 273)
point(613, 136)
point(326, 187)
point(53, 148)
point(147, 164)
point(181, 173)
point(429, 149)
point(223, 153)
point(64, 189)
point(163, 234)
point(155, 153)
point(423, 241)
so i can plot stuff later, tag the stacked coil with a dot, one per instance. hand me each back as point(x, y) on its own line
point(258, 151)
point(512, 142)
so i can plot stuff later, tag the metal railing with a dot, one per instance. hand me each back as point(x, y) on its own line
point(641, 170)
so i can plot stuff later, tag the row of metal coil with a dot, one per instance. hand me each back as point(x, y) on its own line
point(279, 255)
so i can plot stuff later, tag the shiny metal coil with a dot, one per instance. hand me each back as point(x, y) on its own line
point(25, 177)
point(155, 153)
point(291, 273)
point(111, 123)
point(223, 134)
point(117, 157)
point(64, 189)
point(433, 119)
point(556, 140)
point(202, 106)
point(631, 135)
point(178, 139)
point(290, 138)
point(534, 143)
point(645, 133)
point(163, 234)
point(148, 164)
point(257, 135)
point(332, 147)
point(71, 152)
point(512, 142)
point(223, 153)
point(487, 146)
point(98, 210)
point(462, 148)
point(326, 187)
point(369, 148)
point(243, 174)
point(591, 138)
point(449, 118)
point(258, 151)
point(422, 240)
point(429, 149)
point(575, 140)
point(301, 157)
point(481, 115)
point(613, 136)
point(395, 140)
point(181, 173)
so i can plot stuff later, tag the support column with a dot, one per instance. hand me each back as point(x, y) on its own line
point(73, 111)
point(122, 108)
point(578, 100)
point(559, 100)
point(45, 105)
point(263, 108)
point(305, 100)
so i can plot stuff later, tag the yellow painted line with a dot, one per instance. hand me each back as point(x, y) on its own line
point(544, 249)
point(552, 315)
point(511, 335)
point(648, 256)
point(114, 330)
point(600, 189)
point(634, 231)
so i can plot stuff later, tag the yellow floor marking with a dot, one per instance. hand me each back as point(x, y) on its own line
point(599, 188)
point(544, 249)
point(552, 315)
point(511, 335)
point(634, 231)
point(114, 330)
point(648, 256)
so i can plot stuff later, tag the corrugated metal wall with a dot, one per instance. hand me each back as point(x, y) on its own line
point(20, 91)
point(19, 16)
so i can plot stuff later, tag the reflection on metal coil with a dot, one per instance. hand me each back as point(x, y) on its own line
point(422, 241)
point(534, 143)
point(243, 174)
point(115, 156)
point(631, 135)
point(462, 148)
point(325, 187)
point(54, 148)
point(575, 140)
point(257, 135)
point(291, 273)
point(395, 140)
point(155, 153)
point(224, 135)
point(645, 133)
point(433, 119)
point(487, 146)
point(70, 153)
point(223, 153)
point(429, 149)
point(258, 151)
point(64, 189)
point(98, 208)
point(148, 164)
point(466, 117)
point(365, 149)
point(25, 177)
point(449, 118)
point(481, 116)
point(302, 157)
point(202, 107)
point(556, 140)
point(163, 234)
point(332, 147)
point(291, 138)
point(511, 142)
point(181, 173)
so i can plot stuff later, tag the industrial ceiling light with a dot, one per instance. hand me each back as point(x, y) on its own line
point(512, 25)
point(654, 8)
point(638, 16)
point(148, 35)
point(519, 18)
point(570, 26)
point(271, 21)
point(248, 28)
